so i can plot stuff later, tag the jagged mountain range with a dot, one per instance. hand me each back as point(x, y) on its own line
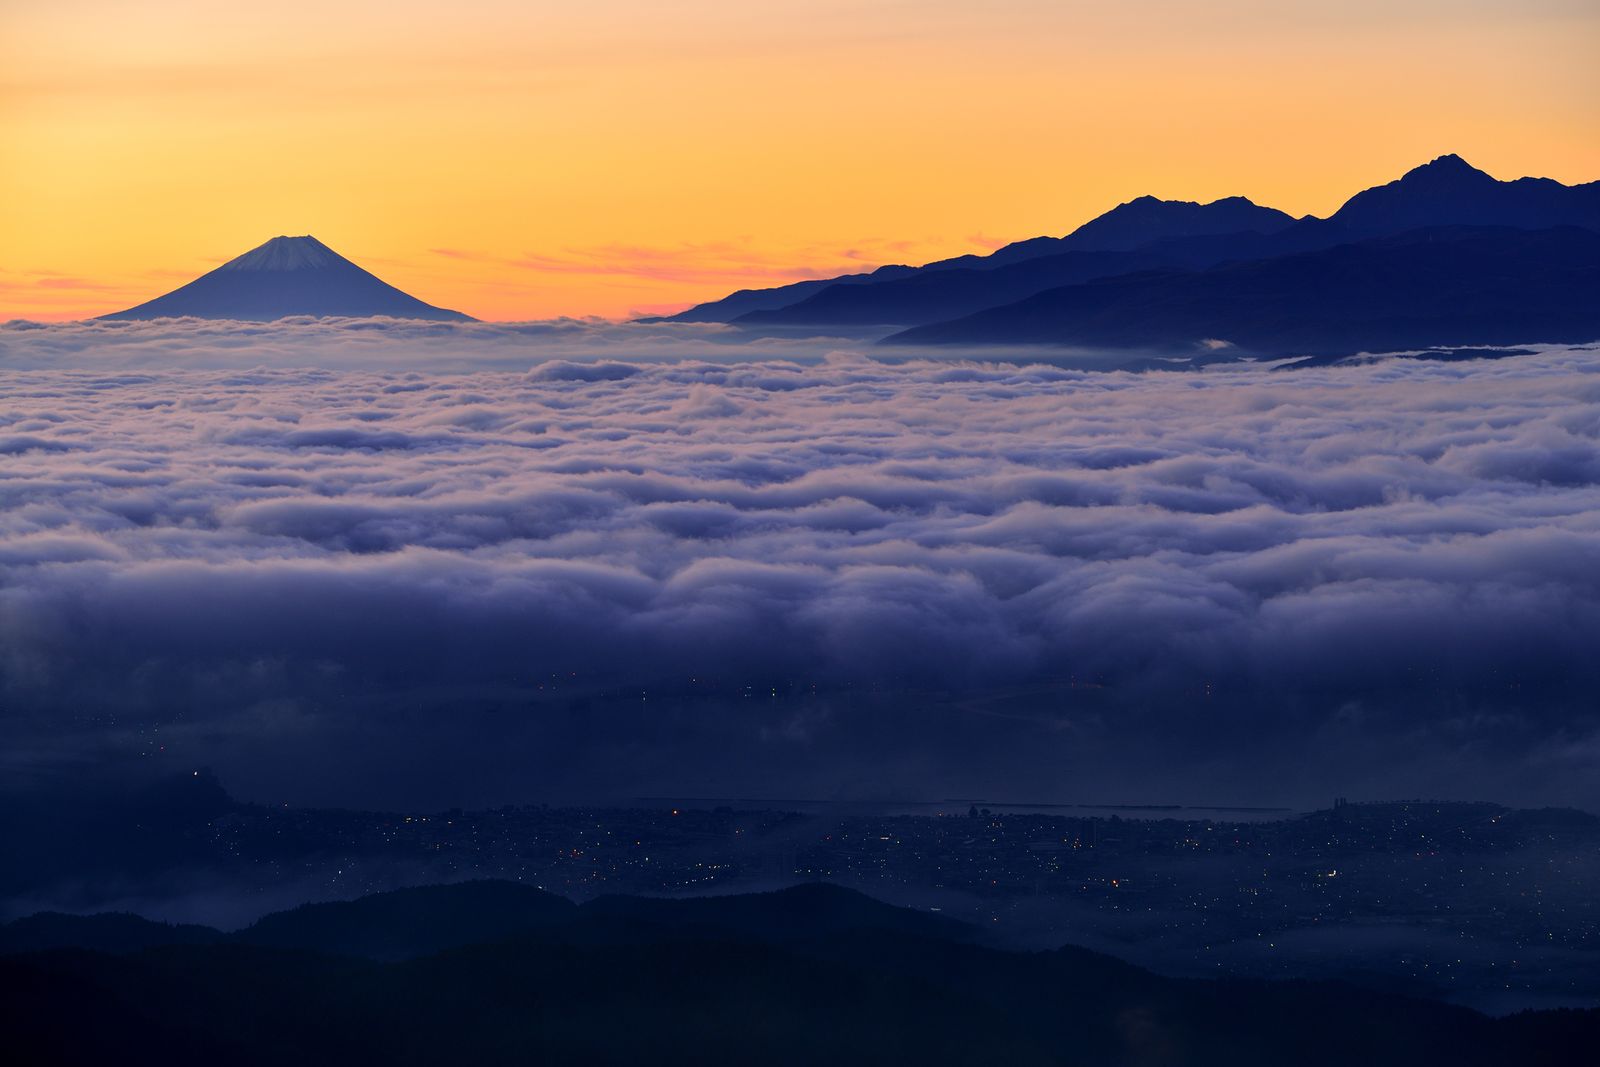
point(1174, 275)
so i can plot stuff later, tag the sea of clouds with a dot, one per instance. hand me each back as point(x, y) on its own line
point(340, 560)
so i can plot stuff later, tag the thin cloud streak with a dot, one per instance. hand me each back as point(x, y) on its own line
point(718, 263)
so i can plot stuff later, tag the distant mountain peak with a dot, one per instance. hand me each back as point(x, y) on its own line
point(288, 277)
point(1147, 200)
point(1451, 167)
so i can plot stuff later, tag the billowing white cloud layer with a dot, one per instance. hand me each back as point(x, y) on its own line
point(1378, 577)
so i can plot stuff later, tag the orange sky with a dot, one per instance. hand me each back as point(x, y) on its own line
point(528, 159)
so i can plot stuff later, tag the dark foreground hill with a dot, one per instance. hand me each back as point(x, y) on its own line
point(809, 975)
point(287, 276)
point(412, 922)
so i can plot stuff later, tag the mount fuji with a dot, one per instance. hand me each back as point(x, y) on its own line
point(284, 277)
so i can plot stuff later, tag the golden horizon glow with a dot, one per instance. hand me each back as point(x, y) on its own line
point(527, 160)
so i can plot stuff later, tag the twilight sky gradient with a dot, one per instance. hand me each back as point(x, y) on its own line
point(519, 160)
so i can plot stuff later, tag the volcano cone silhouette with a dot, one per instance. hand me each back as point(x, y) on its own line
point(287, 276)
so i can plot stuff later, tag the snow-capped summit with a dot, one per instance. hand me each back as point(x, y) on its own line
point(287, 253)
